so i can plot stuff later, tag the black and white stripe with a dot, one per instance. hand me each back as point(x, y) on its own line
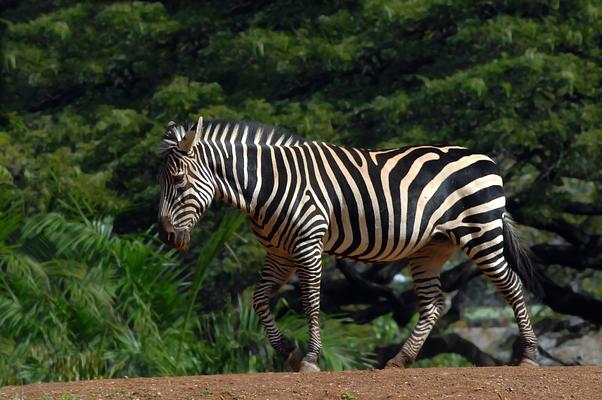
point(306, 197)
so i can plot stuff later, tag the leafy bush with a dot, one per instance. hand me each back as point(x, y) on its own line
point(79, 302)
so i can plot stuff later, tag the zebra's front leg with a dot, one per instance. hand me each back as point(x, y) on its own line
point(426, 266)
point(274, 274)
point(309, 279)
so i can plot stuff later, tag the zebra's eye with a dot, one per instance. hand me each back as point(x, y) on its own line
point(178, 179)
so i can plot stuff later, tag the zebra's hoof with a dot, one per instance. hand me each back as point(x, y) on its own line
point(294, 359)
point(395, 362)
point(527, 362)
point(307, 366)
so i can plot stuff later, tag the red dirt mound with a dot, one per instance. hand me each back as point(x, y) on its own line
point(499, 383)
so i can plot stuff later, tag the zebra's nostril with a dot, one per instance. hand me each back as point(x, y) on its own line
point(167, 229)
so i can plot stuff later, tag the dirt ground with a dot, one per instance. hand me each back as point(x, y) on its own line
point(499, 383)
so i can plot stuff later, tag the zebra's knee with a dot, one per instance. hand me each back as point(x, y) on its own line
point(260, 300)
point(257, 306)
point(433, 309)
point(440, 305)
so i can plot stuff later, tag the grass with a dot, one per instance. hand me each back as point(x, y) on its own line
point(447, 360)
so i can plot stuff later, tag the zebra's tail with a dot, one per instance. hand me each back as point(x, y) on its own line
point(517, 257)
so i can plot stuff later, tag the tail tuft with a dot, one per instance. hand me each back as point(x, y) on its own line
point(517, 257)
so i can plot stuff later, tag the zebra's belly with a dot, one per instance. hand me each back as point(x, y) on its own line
point(376, 247)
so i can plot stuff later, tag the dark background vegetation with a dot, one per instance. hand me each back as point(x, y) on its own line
point(87, 291)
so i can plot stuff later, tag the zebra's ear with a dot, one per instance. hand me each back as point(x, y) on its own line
point(170, 124)
point(192, 137)
point(199, 127)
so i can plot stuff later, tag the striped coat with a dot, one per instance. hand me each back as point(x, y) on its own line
point(305, 198)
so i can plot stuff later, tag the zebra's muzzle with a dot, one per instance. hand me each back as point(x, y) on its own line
point(176, 239)
point(182, 240)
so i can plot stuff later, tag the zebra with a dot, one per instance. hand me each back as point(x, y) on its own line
point(305, 198)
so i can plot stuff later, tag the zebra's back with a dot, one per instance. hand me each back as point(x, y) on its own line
point(383, 205)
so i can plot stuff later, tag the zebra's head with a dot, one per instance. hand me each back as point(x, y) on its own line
point(187, 187)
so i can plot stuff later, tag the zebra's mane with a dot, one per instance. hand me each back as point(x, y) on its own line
point(230, 131)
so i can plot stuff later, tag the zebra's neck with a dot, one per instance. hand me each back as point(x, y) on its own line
point(239, 176)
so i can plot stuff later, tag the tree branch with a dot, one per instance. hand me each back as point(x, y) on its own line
point(381, 300)
point(577, 207)
point(570, 232)
point(457, 277)
point(352, 275)
point(577, 257)
point(565, 301)
point(383, 273)
point(453, 343)
point(439, 344)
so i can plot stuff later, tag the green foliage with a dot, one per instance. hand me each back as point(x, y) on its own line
point(78, 302)
point(506, 78)
point(11, 210)
point(348, 396)
point(443, 360)
point(65, 396)
point(234, 341)
point(386, 331)
point(229, 225)
point(179, 98)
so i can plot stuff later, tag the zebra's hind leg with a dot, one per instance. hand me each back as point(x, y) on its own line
point(486, 249)
point(275, 273)
point(509, 285)
point(426, 265)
